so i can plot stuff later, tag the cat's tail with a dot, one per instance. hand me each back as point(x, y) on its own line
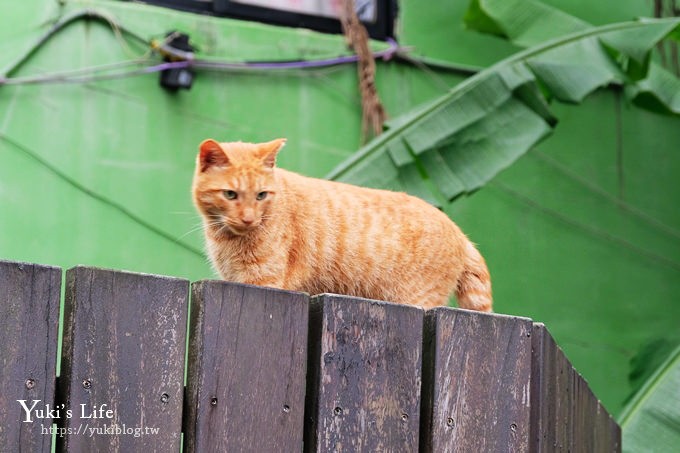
point(474, 285)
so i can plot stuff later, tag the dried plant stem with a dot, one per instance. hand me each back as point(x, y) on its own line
point(373, 112)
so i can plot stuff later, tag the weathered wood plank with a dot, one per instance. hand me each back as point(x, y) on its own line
point(247, 360)
point(565, 414)
point(29, 317)
point(364, 376)
point(476, 382)
point(123, 351)
point(550, 393)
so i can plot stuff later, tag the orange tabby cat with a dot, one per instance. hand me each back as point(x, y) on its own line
point(271, 227)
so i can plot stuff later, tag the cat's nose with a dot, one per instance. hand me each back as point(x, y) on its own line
point(248, 217)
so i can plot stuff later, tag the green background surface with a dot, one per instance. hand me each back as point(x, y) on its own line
point(582, 233)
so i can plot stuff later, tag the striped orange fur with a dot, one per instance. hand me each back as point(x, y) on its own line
point(267, 226)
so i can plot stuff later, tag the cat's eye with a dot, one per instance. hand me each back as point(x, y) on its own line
point(230, 194)
point(261, 196)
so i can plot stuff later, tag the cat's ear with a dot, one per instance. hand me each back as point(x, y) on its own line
point(269, 151)
point(211, 155)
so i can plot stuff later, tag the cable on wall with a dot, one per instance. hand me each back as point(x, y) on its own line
point(177, 59)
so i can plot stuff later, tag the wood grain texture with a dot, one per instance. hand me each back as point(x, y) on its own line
point(247, 362)
point(29, 317)
point(565, 414)
point(365, 375)
point(476, 382)
point(124, 343)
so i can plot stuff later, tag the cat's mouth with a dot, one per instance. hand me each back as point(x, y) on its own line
point(242, 228)
point(223, 225)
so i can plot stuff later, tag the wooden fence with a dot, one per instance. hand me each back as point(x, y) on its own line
point(275, 371)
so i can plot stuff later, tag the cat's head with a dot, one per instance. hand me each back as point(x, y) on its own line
point(234, 184)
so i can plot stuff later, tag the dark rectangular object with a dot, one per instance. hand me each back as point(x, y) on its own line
point(476, 382)
point(124, 343)
point(247, 357)
point(364, 376)
point(380, 28)
point(565, 415)
point(29, 317)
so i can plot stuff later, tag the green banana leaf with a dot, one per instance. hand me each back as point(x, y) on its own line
point(527, 23)
point(458, 142)
point(659, 91)
point(524, 22)
point(651, 421)
point(648, 359)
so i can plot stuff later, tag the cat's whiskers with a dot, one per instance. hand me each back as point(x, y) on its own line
point(231, 222)
point(215, 221)
point(193, 229)
point(223, 229)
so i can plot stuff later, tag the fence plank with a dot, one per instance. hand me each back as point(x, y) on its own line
point(365, 374)
point(247, 356)
point(124, 343)
point(476, 382)
point(29, 317)
point(489, 382)
point(565, 415)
